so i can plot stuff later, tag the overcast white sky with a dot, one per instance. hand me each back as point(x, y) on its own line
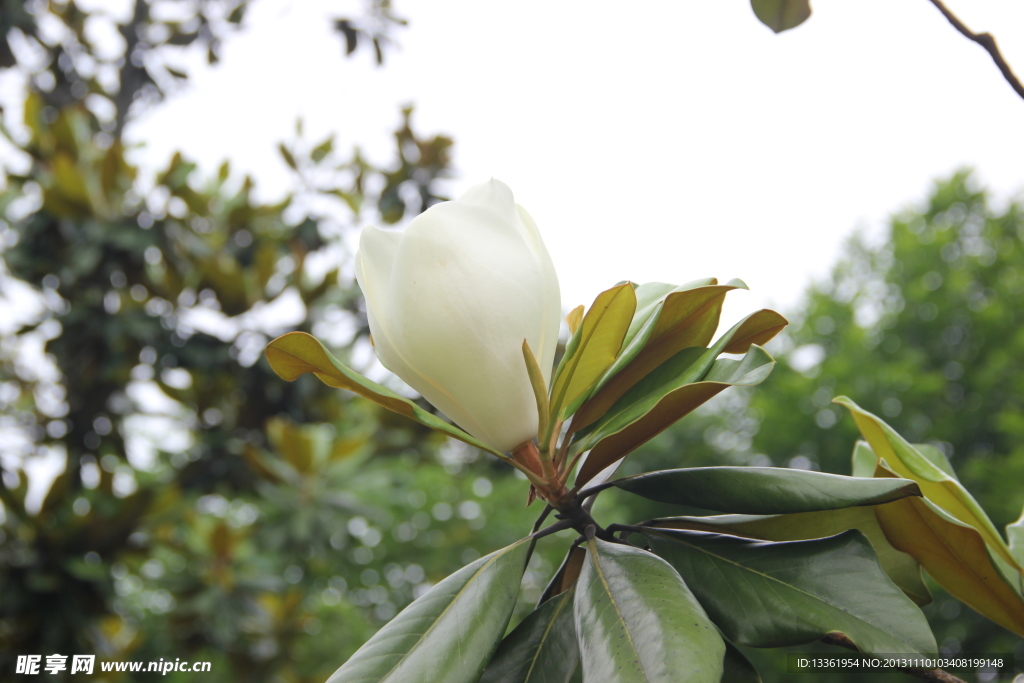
point(651, 141)
point(666, 140)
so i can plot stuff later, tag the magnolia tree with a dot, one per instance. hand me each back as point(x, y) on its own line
point(464, 306)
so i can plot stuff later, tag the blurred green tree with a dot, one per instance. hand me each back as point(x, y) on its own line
point(922, 327)
point(204, 510)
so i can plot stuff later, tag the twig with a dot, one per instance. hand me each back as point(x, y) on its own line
point(543, 515)
point(593, 491)
point(936, 675)
point(560, 525)
point(986, 41)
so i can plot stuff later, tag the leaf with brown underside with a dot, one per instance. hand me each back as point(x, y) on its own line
point(565, 577)
point(955, 555)
point(938, 486)
point(686, 318)
point(760, 328)
point(688, 380)
point(297, 353)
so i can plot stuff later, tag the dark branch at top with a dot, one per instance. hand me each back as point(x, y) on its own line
point(986, 41)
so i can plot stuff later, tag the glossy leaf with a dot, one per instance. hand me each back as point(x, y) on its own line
point(687, 317)
point(955, 554)
point(737, 668)
point(903, 569)
point(778, 594)
point(937, 486)
point(637, 622)
point(781, 15)
point(593, 348)
point(758, 328)
point(450, 632)
point(764, 490)
point(541, 649)
point(297, 353)
point(863, 460)
point(937, 458)
point(686, 382)
point(540, 389)
point(566, 575)
point(663, 309)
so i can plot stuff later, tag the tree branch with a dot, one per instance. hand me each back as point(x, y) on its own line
point(986, 41)
point(936, 675)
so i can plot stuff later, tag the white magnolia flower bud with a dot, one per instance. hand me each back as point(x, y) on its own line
point(450, 300)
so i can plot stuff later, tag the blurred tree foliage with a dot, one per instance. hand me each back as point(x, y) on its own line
point(205, 510)
point(923, 328)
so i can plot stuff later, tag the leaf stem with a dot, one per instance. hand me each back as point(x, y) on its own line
point(543, 515)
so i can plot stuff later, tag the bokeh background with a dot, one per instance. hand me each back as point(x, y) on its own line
point(183, 180)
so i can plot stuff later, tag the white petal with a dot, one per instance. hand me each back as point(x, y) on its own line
point(493, 195)
point(544, 346)
point(475, 285)
point(374, 264)
point(450, 302)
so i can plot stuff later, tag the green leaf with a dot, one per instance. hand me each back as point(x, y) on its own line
point(540, 391)
point(903, 569)
point(1015, 534)
point(936, 484)
point(936, 457)
point(777, 594)
point(764, 490)
point(542, 649)
point(323, 149)
point(864, 460)
point(450, 632)
point(638, 622)
point(593, 348)
point(781, 15)
point(758, 328)
point(955, 554)
point(738, 668)
point(566, 575)
point(297, 353)
point(686, 381)
point(287, 155)
point(686, 316)
point(651, 301)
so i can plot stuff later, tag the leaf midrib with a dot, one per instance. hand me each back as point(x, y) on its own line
point(611, 596)
point(581, 349)
point(544, 637)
